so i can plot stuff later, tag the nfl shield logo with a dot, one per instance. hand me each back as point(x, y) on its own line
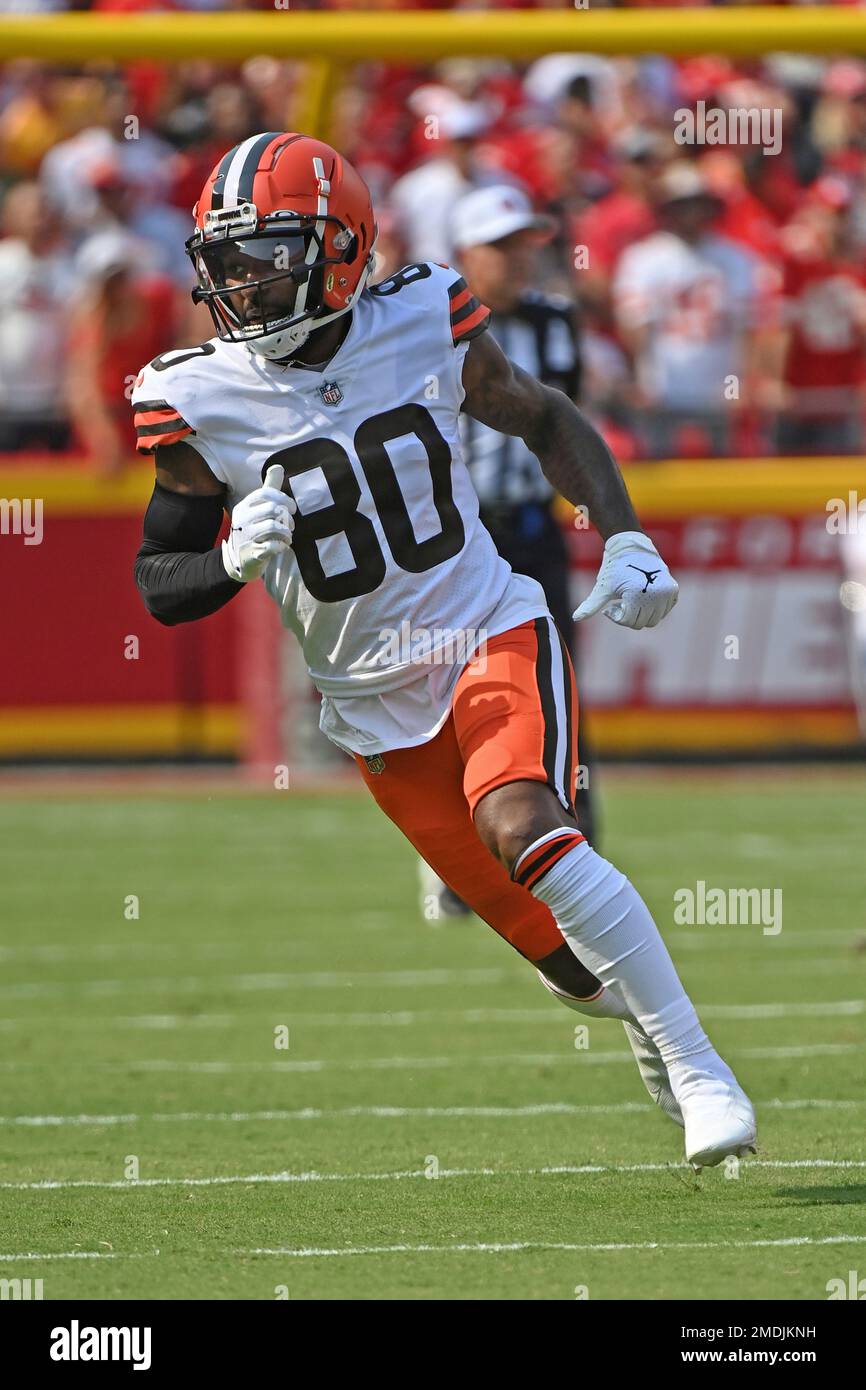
point(376, 763)
point(331, 393)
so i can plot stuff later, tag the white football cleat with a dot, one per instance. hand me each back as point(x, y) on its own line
point(437, 900)
point(653, 1072)
point(719, 1120)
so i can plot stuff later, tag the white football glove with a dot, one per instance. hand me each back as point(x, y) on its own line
point(261, 527)
point(634, 587)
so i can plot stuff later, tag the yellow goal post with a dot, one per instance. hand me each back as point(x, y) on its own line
point(328, 41)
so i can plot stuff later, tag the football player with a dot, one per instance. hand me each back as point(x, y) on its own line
point(323, 416)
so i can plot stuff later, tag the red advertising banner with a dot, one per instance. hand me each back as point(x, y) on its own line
point(758, 652)
point(766, 649)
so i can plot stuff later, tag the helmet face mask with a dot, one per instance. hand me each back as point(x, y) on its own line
point(268, 280)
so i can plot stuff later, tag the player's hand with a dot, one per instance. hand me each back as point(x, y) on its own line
point(261, 527)
point(634, 587)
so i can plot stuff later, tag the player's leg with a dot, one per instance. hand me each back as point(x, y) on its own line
point(530, 538)
point(421, 790)
point(557, 970)
point(515, 721)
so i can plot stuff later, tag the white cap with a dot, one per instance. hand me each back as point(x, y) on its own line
point(681, 181)
point(464, 120)
point(105, 253)
point(488, 214)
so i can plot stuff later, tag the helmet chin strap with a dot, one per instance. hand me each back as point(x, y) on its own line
point(283, 343)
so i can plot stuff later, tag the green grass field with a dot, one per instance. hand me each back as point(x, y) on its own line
point(148, 1045)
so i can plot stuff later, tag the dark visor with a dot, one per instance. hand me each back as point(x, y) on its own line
point(233, 261)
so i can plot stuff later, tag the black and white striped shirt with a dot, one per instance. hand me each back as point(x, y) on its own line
point(540, 335)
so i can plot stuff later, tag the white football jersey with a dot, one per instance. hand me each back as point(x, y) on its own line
point(389, 565)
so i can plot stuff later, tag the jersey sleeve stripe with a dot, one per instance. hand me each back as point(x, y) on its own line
point(469, 316)
point(149, 441)
point(157, 417)
point(466, 311)
point(470, 323)
point(152, 405)
point(160, 425)
point(458, 300)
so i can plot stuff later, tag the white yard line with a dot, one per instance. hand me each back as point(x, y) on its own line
point(811, 965)
point(407, 1017)
point(414, 1174)
point(497, 1249)
point(701, 936)
point(815, 963)
point(72, 1255)
point(389, 1112)
point(566, 1057)
point(269, 980)
point(805, 1010)
point(751, 935)
point(475, 1248)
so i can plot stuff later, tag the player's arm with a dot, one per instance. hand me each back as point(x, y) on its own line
point(571, 452)
point(578, 463)
point(179, 572)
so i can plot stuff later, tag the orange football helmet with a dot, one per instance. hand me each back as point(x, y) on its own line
point(284, 241)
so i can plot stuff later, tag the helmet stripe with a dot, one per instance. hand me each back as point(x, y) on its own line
point(242, 171)
point(219, 181)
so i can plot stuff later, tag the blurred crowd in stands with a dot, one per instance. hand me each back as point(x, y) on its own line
point(719, 288)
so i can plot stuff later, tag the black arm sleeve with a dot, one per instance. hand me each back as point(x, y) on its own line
point(179, 574)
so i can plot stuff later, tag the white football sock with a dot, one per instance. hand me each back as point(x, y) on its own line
point(608, 926)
